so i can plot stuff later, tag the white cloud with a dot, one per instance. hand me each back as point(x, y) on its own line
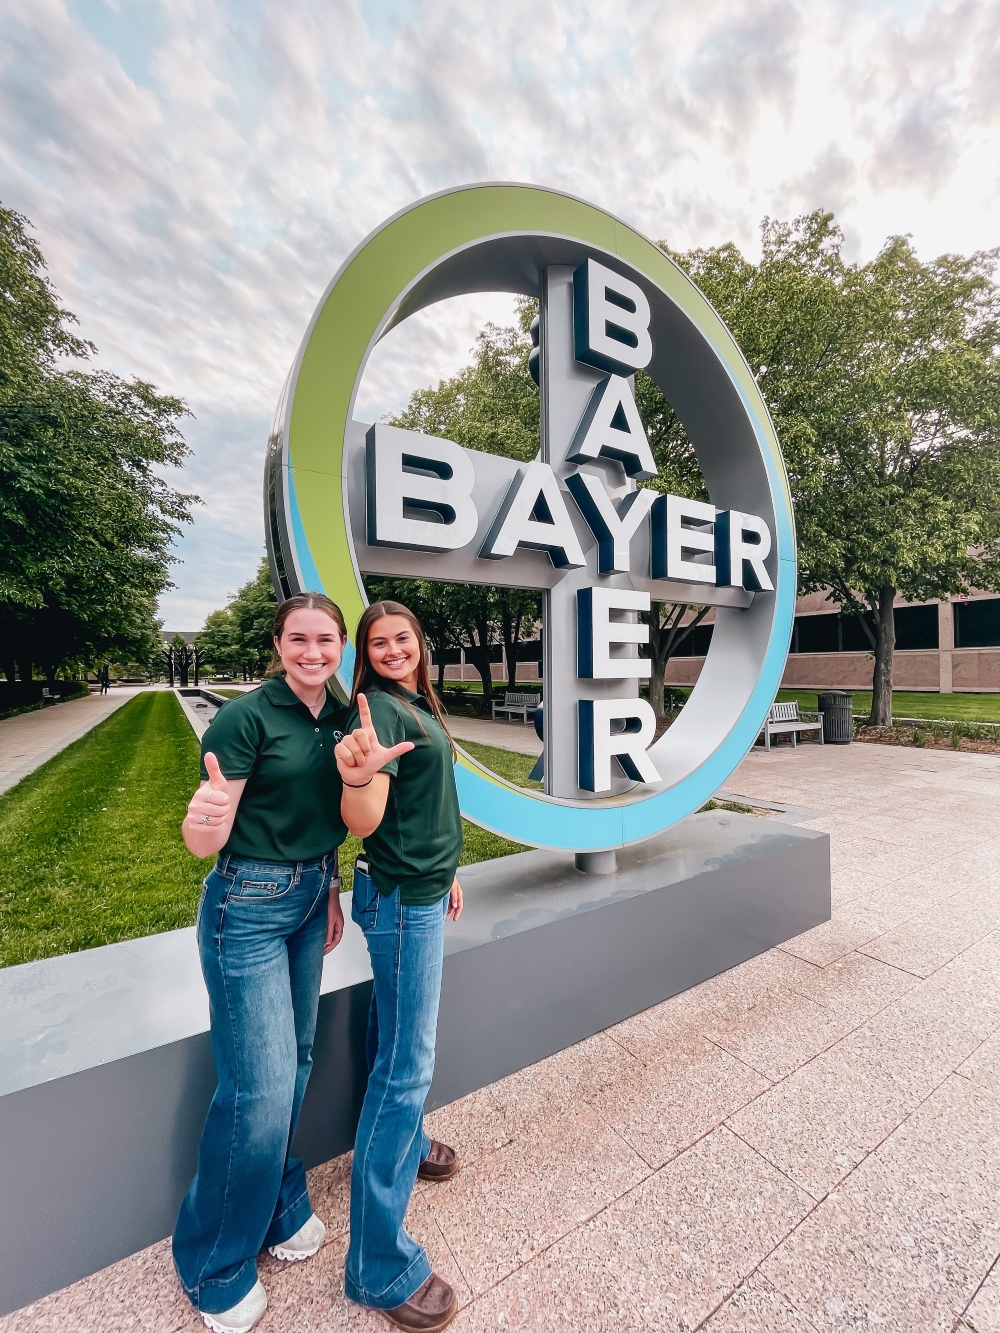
point(197, 170)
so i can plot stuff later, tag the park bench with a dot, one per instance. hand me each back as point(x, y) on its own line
point(514, 704)
point(786, 720)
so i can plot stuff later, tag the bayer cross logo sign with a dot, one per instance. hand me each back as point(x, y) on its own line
point(347, 498)
point(577, 509)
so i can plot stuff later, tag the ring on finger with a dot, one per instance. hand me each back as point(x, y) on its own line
point(206, 819)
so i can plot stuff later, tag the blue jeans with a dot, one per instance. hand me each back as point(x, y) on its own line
point(385, 1266)
point(261, 929)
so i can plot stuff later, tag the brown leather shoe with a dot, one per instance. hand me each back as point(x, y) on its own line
point(441, 1163)
point(431, 1307)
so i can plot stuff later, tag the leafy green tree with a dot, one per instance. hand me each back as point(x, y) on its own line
point(33, 326)
point(491, 405)
point(474, 611)
point(217, 643)
point(518, 610)
point(86, 520)
point(241, 635)
point(884, 382)
point(670, 623)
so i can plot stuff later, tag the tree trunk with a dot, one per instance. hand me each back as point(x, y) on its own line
point(658, 636)
point(885, 644)
point(479, 651)
point(511, 625)
point(665, 636)
point(440, 664)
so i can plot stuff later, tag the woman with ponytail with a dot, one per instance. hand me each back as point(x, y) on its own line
point(399, 795)
point(269, 810)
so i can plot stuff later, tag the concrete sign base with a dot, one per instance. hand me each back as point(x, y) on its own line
point(107, 1067)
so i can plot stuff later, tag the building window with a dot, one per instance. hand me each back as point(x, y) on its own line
point(977, 624)
point(816, 634)
point(696, 644)
point(916, 627)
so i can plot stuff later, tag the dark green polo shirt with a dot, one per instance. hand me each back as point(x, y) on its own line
point(418, 844)
point(290, 807)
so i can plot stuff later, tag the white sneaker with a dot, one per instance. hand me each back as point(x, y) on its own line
point(241, 1317)
point(305, 1242)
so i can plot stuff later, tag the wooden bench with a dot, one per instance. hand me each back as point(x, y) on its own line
point(522, 705)
point(786, 720)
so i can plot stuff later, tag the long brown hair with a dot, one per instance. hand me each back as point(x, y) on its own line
point(302, 601)
point(365, 674)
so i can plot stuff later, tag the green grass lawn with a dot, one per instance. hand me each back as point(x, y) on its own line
point(90, 844)
point(90, 847)
point(953, 707)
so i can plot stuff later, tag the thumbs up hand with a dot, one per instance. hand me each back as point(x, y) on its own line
point(209, 807)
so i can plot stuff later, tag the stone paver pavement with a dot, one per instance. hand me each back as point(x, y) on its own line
point(32, 739)
point(504, 735)
point(807, 1143)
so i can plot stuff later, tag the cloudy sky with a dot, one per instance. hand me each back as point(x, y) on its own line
point(196, 170)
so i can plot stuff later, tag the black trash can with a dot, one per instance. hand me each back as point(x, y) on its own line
point(838, 722)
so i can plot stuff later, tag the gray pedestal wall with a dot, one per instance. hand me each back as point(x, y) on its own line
point(106, 1067)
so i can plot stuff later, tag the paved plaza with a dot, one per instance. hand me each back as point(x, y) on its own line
point(32, 739)
point(504, 735)
point(806, 1143)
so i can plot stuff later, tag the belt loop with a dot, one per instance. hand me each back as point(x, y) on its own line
point(222, 864)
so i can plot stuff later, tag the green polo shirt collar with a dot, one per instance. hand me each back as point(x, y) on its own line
point(280, 692)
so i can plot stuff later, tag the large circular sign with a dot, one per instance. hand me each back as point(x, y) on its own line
point(504, 238)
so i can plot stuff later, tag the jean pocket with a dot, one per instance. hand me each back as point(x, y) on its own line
point(364, 900)
point(257, 886)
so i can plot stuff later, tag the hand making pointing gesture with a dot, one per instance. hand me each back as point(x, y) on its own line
point(361, 754)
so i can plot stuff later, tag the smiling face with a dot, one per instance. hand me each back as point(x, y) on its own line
point(394, 650)
point(310, 648)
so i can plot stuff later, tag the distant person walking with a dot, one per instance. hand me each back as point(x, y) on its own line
point(269, 805)
point(105, 678)
point(400, 797)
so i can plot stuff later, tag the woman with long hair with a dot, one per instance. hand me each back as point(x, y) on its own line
point(400, 797)
point(269, 810)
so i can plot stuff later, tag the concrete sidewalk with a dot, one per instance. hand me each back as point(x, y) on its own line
point(504, 735)
point(805, 1144)
point(32, 739)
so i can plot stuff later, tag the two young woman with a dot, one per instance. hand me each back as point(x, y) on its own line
point(272, 805)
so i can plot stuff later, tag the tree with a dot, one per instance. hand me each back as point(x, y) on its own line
point(668, 628)
point(473, 609)
point(33, 327)
point(86, 520)
point(883, 379)
point(491, 405)
point(240, 637)
point(517, 610)
point(217, 643)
